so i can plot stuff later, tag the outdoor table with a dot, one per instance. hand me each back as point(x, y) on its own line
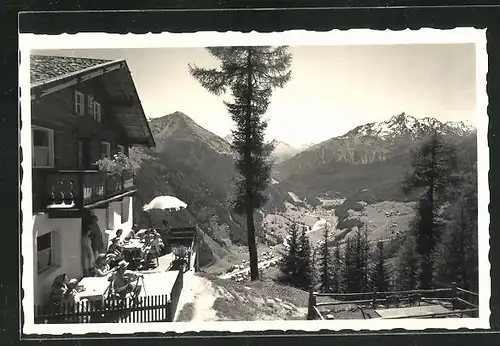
point(133, 244)
point(131, 250)
point(94, 288)
point(415, 311)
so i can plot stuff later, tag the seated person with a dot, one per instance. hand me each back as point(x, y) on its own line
point(71, 296)
point(156, 242)
point(133, 232)
point(115, 253)
point(118, 236)
point(124, 281)
point(59, 292)
point(152, 246)
point(115, 247)
point(143, 233)
point(101, 265)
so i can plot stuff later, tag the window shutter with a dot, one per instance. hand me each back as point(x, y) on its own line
point(90, 104)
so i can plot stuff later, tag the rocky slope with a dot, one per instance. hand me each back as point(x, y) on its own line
point(196, 166)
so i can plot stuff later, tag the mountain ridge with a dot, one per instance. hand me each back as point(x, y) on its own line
point(368, 154)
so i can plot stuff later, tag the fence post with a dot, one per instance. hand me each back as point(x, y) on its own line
point(374, 297)
point(312, 302)
point(454, 300)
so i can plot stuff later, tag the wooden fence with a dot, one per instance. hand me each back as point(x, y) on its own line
point(461, 301)
point(158, 308)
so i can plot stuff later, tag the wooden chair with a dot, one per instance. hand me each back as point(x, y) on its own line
point(121, 294)
point(414, 299)
point(393, 300)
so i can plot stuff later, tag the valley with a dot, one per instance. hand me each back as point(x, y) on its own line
point(348, 182)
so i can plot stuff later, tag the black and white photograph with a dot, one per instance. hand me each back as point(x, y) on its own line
point(233, 182)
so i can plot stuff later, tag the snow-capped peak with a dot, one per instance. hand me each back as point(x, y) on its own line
point(406, 124)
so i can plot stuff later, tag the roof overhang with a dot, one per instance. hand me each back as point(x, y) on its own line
point(120, 85)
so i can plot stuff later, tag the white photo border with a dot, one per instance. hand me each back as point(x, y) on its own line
point(29, 42)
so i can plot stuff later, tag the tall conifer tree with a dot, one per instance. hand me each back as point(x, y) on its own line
point(434, 175)
point(251, 74)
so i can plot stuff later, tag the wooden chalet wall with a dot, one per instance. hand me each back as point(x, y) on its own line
point(56, 111)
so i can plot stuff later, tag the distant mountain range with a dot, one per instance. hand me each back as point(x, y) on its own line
point(282, 150)
point(373, 155)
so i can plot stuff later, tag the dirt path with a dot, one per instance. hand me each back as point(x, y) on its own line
point(199, 296)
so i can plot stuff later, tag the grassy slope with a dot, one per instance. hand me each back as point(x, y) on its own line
point(260, 300)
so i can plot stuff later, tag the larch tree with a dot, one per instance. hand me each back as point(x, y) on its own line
point(251, 74)
point(434, 175)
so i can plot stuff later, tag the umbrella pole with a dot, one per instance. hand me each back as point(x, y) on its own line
point(143, 284)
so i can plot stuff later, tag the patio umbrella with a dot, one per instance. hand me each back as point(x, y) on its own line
point(165, 202)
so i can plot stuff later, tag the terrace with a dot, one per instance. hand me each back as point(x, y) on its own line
point(156, 302)
point(435, 303)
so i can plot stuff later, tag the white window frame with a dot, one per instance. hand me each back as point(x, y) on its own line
point(52, 249)
point(79, 104)
point(108, 149)
point(97, 112)
point(50, 148)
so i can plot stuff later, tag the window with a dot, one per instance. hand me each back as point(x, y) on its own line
point(105, 150)
point(79, 103)
point(90, 104)
point(97, 112)
point(42, 147)
point(121, 149)
point(45, 251)
point(83, 153)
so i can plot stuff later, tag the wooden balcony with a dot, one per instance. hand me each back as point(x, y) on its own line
point(76, 190)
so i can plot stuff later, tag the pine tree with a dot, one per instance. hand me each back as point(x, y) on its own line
point(251, 74)
point(362, 256)
point(407, 265)
point(380, 273)
point(349, 271)
point(336, 280)
point(289, 266)
point(457, 255)
point(325, 264)
point(314, 268)
point(434, 175)
point(304, 268)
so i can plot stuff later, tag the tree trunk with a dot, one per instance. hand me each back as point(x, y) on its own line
point(252, 246)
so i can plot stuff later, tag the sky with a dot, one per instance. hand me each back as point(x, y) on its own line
point(333, 88)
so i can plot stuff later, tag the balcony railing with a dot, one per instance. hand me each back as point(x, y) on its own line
point(71, 189)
